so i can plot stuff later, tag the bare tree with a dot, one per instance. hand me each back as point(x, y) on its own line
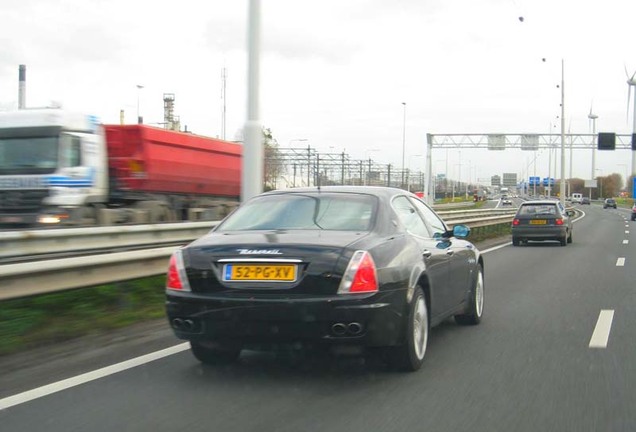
point(274, 161)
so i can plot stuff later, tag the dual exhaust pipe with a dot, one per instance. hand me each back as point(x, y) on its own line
point(183, 324)
point(346, 329)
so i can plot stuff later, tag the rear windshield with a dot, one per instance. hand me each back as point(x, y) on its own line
point(537, 209)
point(295, 211)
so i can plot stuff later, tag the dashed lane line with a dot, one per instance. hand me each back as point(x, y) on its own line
point(58, 386)
point(601, 333)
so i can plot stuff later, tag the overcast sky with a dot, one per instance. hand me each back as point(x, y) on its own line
point(335, 72)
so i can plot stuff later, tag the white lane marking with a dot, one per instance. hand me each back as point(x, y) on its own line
point(602, 330)
point(580, 217)
point(55, 387)
point(626, 232)
point(620, 262)
point(494, 248)
point(625, 241)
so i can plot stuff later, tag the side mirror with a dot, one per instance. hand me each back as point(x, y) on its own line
point(570, 213)
point(461, 231)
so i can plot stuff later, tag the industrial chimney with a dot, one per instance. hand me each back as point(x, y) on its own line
point(22, 87)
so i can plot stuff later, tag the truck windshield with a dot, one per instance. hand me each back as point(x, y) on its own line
point(28, 155)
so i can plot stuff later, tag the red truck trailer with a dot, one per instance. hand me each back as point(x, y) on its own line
point(148, 159)
point(62, 168)
point(186, 171)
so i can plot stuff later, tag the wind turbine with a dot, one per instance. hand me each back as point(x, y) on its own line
point(631, 82)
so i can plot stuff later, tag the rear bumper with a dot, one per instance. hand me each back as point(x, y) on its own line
point(542, 233)
point(252, 321)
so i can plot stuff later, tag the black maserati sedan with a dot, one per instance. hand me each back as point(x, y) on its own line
point(367, 267)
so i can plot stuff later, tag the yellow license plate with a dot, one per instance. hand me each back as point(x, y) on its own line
point(538, 222)
point(260, 272)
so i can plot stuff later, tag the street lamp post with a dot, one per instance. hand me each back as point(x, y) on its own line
point(562, 182)
point(562, 190)
point(403, 138)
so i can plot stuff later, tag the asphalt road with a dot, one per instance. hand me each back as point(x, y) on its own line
point(528, 367)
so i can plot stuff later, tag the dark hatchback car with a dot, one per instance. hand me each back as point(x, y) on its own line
point(609, 202)
point(368, 267)
point(542, 220)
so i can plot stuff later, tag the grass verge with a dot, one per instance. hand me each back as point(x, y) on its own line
point(46, 319)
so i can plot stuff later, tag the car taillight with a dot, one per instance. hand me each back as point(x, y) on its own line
point(177, 278)
point(515, 222)
point(361, 275)
point(559, 221)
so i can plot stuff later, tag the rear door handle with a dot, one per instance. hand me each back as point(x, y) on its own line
point(450, 252)
point(426, 253)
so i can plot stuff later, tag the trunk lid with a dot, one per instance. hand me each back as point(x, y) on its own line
point(269, 263)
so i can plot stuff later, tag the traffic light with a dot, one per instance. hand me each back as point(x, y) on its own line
point(607, 141)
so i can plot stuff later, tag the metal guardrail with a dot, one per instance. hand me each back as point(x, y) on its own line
point(51, 275)
point(40, 277)
point(475, 213)
point(478, 218)
point(23, 243)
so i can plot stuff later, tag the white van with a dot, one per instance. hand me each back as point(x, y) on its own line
point(576, 198)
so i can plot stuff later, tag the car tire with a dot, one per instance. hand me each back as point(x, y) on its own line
point(515, 241)
point(564, 240)
point(409, 356)
point(476, 303)
point(214, 353)
point(570, 237)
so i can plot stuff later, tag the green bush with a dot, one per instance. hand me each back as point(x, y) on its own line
point(49, 318)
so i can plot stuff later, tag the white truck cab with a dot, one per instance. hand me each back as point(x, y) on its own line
point(49, 158)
